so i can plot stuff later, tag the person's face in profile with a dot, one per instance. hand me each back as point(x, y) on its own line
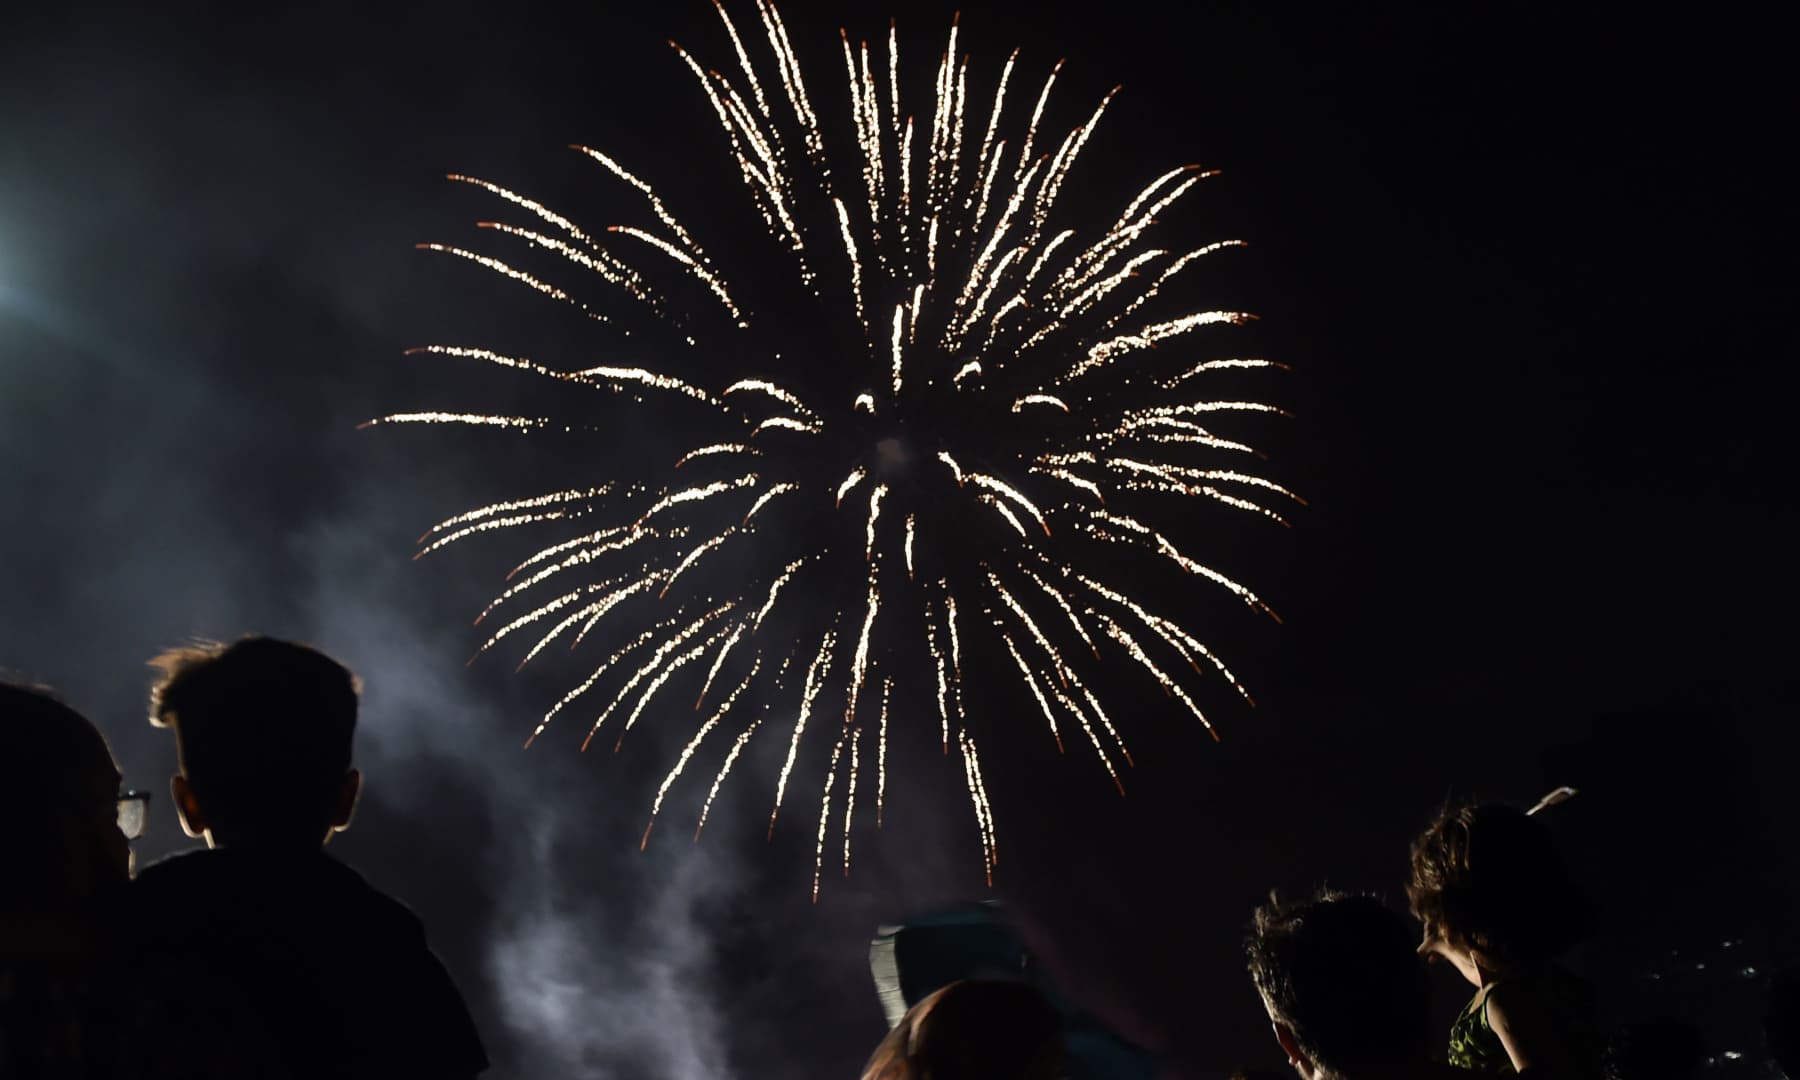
point(102, 823)
point(1436, 947)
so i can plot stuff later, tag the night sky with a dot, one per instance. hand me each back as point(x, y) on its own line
point(1533, 273)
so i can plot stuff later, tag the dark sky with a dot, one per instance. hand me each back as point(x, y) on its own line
point(1533, 273)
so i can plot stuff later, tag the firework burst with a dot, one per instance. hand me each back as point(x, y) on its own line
point(937, 443)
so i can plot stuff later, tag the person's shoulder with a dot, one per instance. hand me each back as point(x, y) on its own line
point(174, 868)
point(360, 901)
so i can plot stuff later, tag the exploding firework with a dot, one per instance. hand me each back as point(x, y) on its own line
point(947, 425)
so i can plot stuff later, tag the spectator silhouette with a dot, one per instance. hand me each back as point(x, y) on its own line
point(1660, 1048)
point(1498, 904)
point(67, 863)
point(1781, 1022)
point(339, 973)
point(1344, 988)
point(973, 1029)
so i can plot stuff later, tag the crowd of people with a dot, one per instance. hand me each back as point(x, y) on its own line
point(260, 955)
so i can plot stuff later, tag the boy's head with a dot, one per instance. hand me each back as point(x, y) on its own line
point(263, 729)
point(60, 800)
point(1342, 984)
point(974, 1029)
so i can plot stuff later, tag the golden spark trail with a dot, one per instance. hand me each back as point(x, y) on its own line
point(488, 526)
point(724, 770)
point(663, 677)
point(815, 678)
point(737, 634)
point(787, 574)
point(693, 744)
point(1169, 551)
point(856, 477)
point(984, 819)
point(825, 813)
point(850, 796)
point(887, 684)
point(763, 499)
point(535, 502)
point(860, 666)
point(688, 262)
point(1032, 683)
point(1094, 703)
point(656, 204)
point(1137, 653)
point(600, 263)
point(589, 682)
point(519, 423)
point(1001, 487)
point(694, 556)
point(875, 498)
point(1068, 609)
point(1072, 480)
point(1070, 704)
point(655, 661)
point(788, 423)
point(695, 494)
point(551, 552)
point(1037, 634)
point(1001, 508)
point(715, 448)
point(513, 274)
point(943, 676)
point(648, 378)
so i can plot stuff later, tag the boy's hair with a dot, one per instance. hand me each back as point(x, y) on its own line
point(263, 727)
point(1341, 973)
point(1489, 878)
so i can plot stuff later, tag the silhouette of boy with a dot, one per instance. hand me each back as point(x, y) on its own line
point(1344, 988)
point(338, 972)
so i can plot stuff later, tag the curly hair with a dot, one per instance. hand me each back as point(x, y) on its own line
point(1489, 878)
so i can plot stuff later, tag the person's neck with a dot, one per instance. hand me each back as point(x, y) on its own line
point(270, 843)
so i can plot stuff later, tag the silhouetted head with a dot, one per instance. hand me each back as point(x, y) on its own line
point(59, 804)
point(1342, 983)
point(263, 729)
point(975, 1029)
point(1781, 1023)
point(1492, 890)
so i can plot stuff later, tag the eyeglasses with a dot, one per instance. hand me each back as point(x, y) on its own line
point(134, 813)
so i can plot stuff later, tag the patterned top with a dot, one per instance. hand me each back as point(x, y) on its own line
point(1473, 1043)
point(1476, 1046)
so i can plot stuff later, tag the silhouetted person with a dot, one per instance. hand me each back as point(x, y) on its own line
point(1660, 1048)
point(1344, 988)
point(973, 1029)
point(1781, 1023)
point(1498, 904)
point(339, 972)
point(65, 863)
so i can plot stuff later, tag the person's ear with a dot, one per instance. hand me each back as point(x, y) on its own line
point(187, 808)
point(343, 804)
